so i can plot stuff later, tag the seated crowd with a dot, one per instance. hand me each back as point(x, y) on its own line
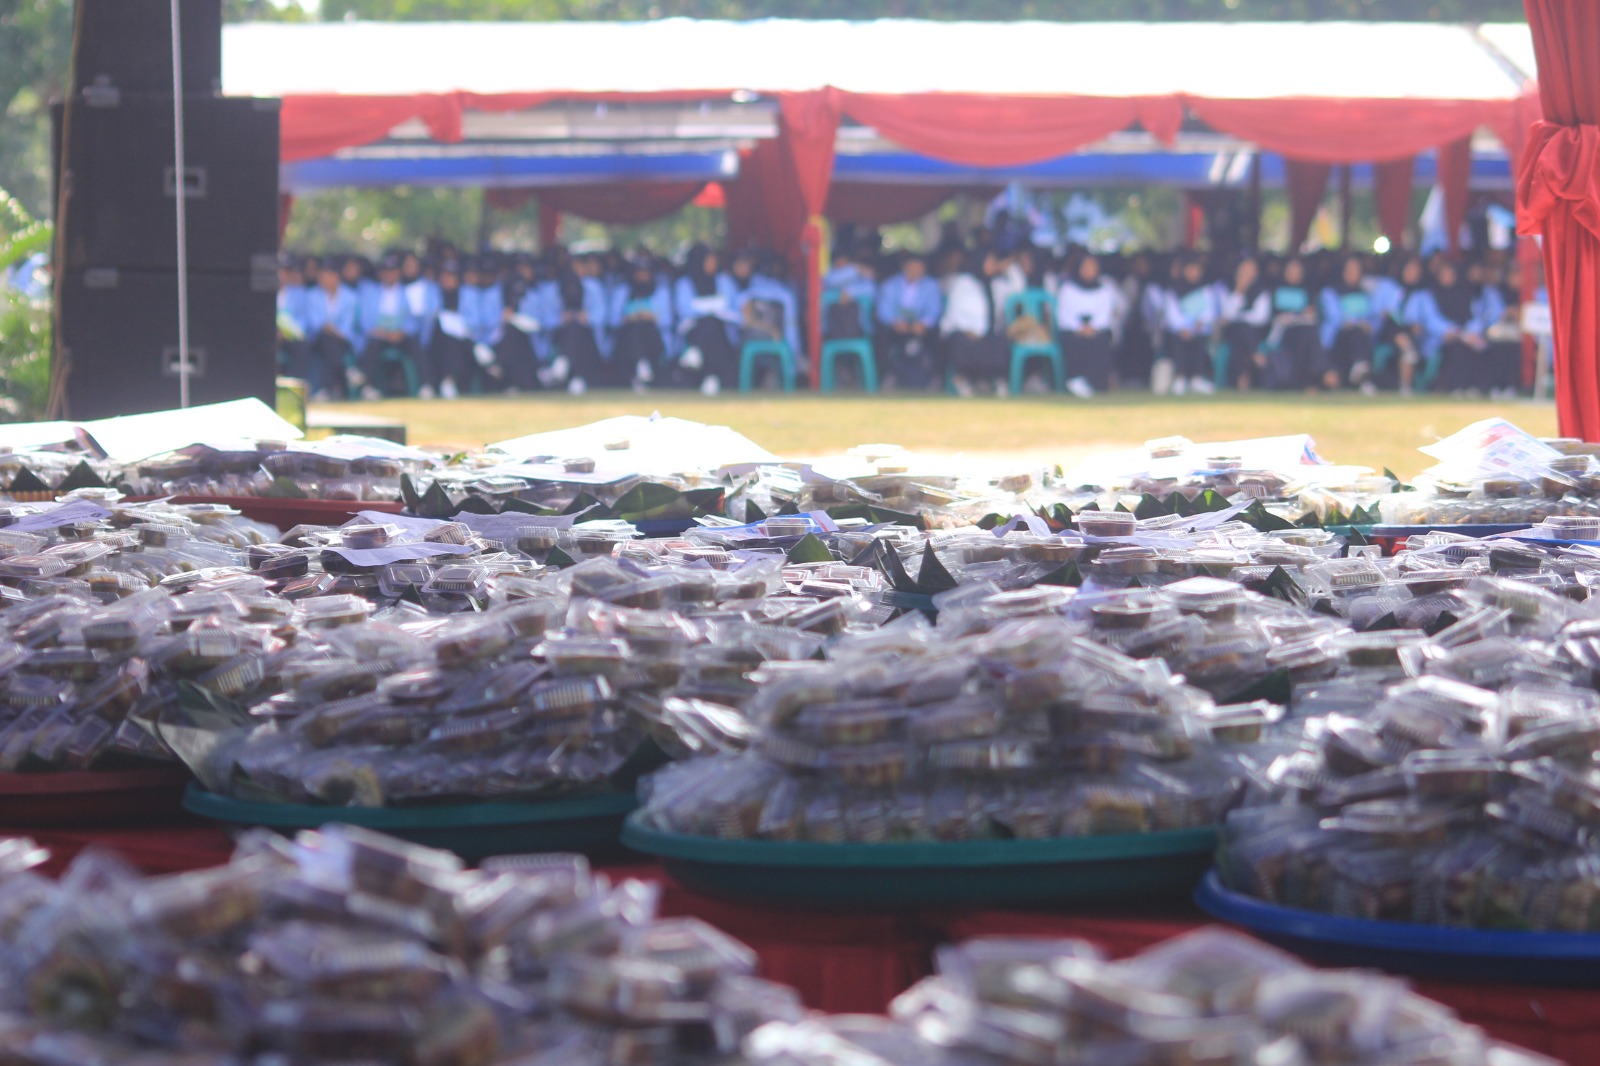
point(994, 318)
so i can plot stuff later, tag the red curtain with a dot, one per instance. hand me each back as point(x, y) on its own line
point(620, 203)
point(285, 209)
point(1392, 190)
point(1307, 184)
point(1349, 131)
point(315, 126)
point(549, 227)
point(1455, 177)
point(995, 131)
point(1558, 198)
point(884, 205)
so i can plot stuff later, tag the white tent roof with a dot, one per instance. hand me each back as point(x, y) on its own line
point(1514, 41)
point(1241, 60)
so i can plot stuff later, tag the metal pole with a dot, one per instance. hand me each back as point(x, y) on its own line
point(180, 193)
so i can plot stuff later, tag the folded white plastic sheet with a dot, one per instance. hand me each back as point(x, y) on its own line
point(129, 438)
point(652, 447)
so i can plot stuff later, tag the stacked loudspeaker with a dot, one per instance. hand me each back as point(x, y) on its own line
point(116, 194)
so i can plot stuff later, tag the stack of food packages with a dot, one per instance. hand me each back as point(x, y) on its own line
point(1492, 473)
point(1209, 997)
point(344, 945)
point(348, 946)
point(1450, 780)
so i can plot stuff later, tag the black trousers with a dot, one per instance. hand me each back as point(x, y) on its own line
point(1352, 346)
point(718, 357)
point(324, 363)
point(638, 341)
point(518, 362)
point(1191, 357)
point(450, 357)
point(376, 372)
point(1299, 361)
point(1088, 358)
point(911, 359)
point(577, 342)
point(1244, 341)
point(977, 358)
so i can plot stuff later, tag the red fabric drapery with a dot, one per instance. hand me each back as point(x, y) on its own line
point(884, 205)
point(979, 130)
point(1349, 131)
point(1307, 184)
point(1558, 198)
point(315, 126)
point(1392, 190)
point(285, 209)
point(1455, 175)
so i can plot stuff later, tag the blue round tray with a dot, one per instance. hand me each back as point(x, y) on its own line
point(1485, 955)
point(964, 873)
point(588, 824)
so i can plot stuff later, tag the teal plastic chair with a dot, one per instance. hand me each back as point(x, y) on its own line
point(1035, 302)
point(1221, 356)
point(860, 347)
point(754, 350)
point(408, 368)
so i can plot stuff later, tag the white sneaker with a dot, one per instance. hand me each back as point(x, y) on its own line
point(711, 385)
point(426, 393)
point(1180, 386)
point(1360, 372)
point(691, 359)
point(644, 373)
point(354, 378)
point(1369, 388)
point(1202, 386)
point(368, 392)
point(577, 387)
point(1161, 377)
point(962, 386)
point(447, 389)
point(320, 396)
point(560, 367)
point(639, 387)
point(1080, 388)
point(1002, 389)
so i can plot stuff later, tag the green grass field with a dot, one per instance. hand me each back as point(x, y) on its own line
point(1372, 431)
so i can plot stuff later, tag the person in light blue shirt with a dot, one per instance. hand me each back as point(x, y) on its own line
point(849, 277)
point(1188, 319)
point(1350, 321)
point(596, 301)
point(331, 315)
point(388, 326)
point(767, 307)
point(640, 324)
point(908, 307)
point(292, 332)
point(706, 306)
point(518, 351)
point(1295, 356)
point(1446, 314)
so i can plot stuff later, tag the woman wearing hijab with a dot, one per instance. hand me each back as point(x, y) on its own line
point(1087, 308)
point(1246, 311)
point(1190, 316)
point(1349, 325)
point(1502, 303)
point(641, 324)
point(974, 353)
point(1452, 336)
point(1295, 356)
point(707, 311)
point(448, 346)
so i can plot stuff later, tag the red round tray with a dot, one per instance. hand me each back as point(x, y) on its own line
point(288, 513)
point(92, 797)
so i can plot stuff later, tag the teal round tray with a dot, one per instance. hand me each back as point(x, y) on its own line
point(588, 824)
point(965, 873)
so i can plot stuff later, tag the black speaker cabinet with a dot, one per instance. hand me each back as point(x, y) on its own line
point(122, 209)
point(120, 334)
point(127, 45)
